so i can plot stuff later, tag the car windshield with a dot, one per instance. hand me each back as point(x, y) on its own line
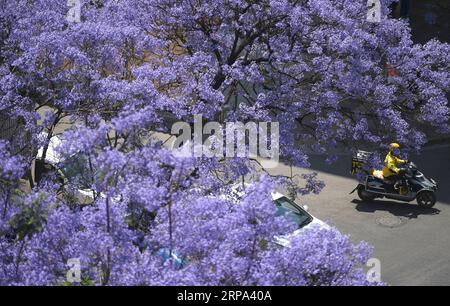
point(288, 208)
point(77, 168)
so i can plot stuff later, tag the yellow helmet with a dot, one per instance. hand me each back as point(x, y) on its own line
point(394, 146)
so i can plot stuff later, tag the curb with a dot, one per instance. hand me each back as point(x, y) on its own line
point(439, 141)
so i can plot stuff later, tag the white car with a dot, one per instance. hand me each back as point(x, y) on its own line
point(66, 168)
point(296, 213)
point(289, 208)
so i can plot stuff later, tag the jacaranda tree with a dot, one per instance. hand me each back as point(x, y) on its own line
point(124, 70)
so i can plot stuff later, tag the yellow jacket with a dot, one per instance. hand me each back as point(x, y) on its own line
point(391, 164)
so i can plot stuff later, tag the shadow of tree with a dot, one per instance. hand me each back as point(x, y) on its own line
point(410, 211)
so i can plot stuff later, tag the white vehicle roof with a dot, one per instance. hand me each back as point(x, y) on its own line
point(275, 195)
point(51, 156)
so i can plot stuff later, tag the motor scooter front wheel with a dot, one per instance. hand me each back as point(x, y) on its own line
point(426, 199)
point(365, 195)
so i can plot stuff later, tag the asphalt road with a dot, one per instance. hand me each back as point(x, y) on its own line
point(412, 244)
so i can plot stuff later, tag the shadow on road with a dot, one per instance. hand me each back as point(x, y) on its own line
point(410, 211)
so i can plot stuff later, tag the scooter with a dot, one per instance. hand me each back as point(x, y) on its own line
point(414, 186)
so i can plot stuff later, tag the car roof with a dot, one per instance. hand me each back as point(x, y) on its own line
point(51, 156)
point(277, 195)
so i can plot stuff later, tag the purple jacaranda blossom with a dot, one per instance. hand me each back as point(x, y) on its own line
point(12, 166)
point(129, 69)
point(224, 241)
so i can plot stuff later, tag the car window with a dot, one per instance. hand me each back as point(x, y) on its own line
point(286, 207)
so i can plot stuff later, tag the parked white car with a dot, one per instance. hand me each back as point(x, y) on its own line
point(298, 214)
point(75, 165)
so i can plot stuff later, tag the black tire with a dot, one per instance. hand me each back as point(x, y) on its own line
point(426, 199)
point(365, 195)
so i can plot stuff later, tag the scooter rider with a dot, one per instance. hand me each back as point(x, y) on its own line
point(392, 163)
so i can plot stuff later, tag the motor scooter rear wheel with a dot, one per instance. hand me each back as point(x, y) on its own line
point(426, 199)
point(365, 195)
